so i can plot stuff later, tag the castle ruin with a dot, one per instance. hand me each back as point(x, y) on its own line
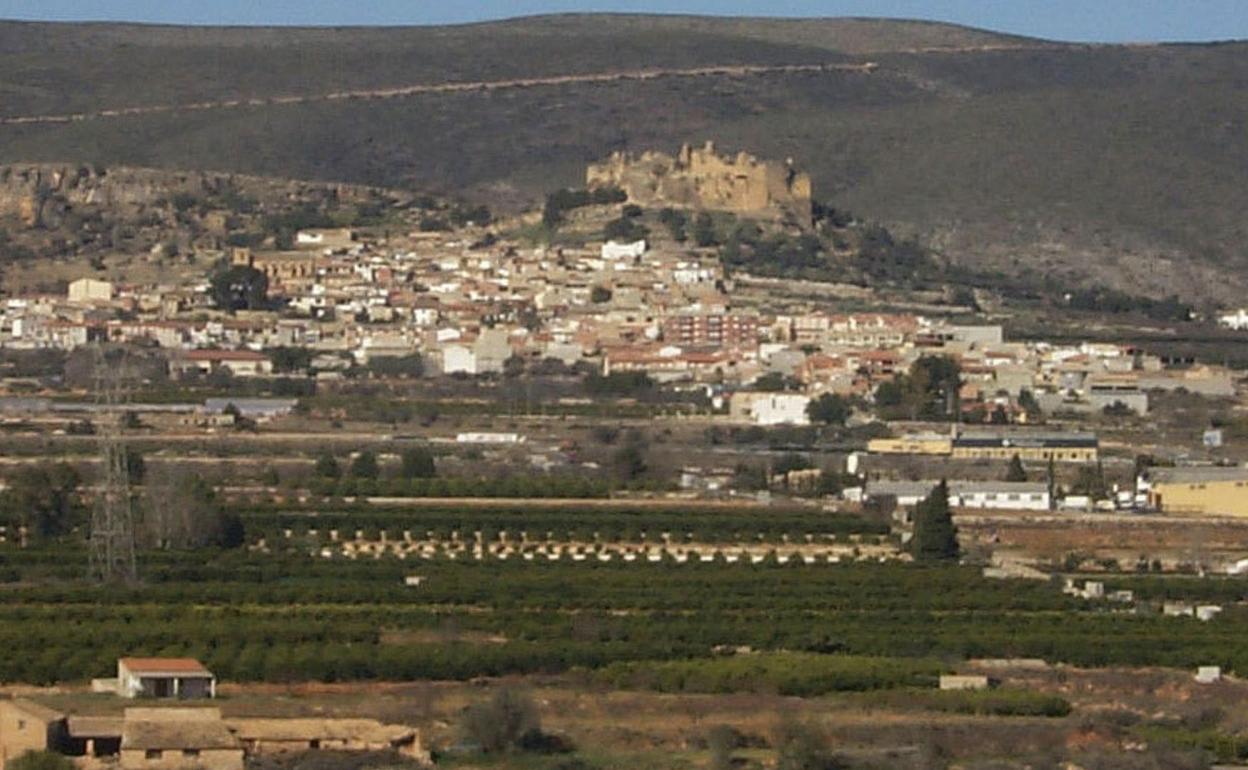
point(703, 179)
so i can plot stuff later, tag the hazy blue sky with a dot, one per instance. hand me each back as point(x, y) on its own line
point(1082, 20)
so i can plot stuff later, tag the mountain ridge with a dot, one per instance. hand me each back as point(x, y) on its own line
point(1115, 164)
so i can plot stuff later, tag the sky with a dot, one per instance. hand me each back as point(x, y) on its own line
point(1110, 21)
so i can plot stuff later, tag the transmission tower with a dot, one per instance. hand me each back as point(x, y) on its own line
point(112, 517)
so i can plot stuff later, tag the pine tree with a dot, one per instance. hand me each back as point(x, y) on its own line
point(418, 464)
point(327, 467)
point(935, 537)
point(364, 466)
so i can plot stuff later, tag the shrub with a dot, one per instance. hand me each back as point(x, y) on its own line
point(504, 723)
point(40, 760)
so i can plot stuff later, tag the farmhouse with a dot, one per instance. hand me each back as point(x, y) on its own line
point(160, 678)
point(239, 363)
point(93, 736)
point(173, 739)
point(276, 736)
point(188, 738)
point(964, 682)
point(27, 726)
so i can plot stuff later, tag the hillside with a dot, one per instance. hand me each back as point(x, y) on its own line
point(1124, 165)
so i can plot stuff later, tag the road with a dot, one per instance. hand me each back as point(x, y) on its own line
point(402, 92)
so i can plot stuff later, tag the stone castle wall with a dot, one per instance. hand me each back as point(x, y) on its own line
point(703, 179)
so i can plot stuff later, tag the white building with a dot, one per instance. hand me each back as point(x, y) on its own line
point(986, 495)
point(1237, 320)
point(770, 408)
point(1001, 495)
point(489, 438)
point(614, 251)
point(324, 238)
point(90, 290)
point(160, 678)
point(458, 358)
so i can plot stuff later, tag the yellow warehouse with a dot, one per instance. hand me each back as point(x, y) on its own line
point(1199, 491)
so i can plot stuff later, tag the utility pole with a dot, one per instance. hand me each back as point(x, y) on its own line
point(112, 548)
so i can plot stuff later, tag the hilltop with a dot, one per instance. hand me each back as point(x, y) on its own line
point(1120, 165)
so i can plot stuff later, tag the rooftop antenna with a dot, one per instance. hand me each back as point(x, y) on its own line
point(112, 549)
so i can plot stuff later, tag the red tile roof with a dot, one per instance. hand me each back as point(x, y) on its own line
point(165, 666)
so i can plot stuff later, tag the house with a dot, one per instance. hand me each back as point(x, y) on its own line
point(1208, 674)
point(706, 479)
point(614, 251)
point(161, 678)
point(239, 363)
point(492, 349)
point(905, 493)
point(252, 408)
point(1237, 320)
point(174, 739)
point(188, 738)
point(325, 238)
point(964, 682)
point(27, 726)
point(770, 408)
point(1199, 490)
point(458, 359)
point(489, 438)
point(90, 290)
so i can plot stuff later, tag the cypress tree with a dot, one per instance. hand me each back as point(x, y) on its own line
point(935, 537)
point(1016, 471)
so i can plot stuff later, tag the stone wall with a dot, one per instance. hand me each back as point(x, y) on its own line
point(703, 179)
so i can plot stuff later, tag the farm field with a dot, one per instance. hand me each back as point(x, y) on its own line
point(290, 616)
point(644, 632)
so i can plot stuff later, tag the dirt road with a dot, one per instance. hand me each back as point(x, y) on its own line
point(400, 92)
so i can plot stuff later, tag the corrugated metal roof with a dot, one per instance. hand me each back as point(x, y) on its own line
point(1197, 475)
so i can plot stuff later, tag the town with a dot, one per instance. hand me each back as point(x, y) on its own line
point(679, 465)
point(653, 310)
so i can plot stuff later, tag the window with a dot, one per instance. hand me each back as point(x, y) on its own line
point(190, 752)
point(21, 724)
point(153, 754)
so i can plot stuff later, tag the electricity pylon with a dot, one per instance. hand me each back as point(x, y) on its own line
point(112, 548)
